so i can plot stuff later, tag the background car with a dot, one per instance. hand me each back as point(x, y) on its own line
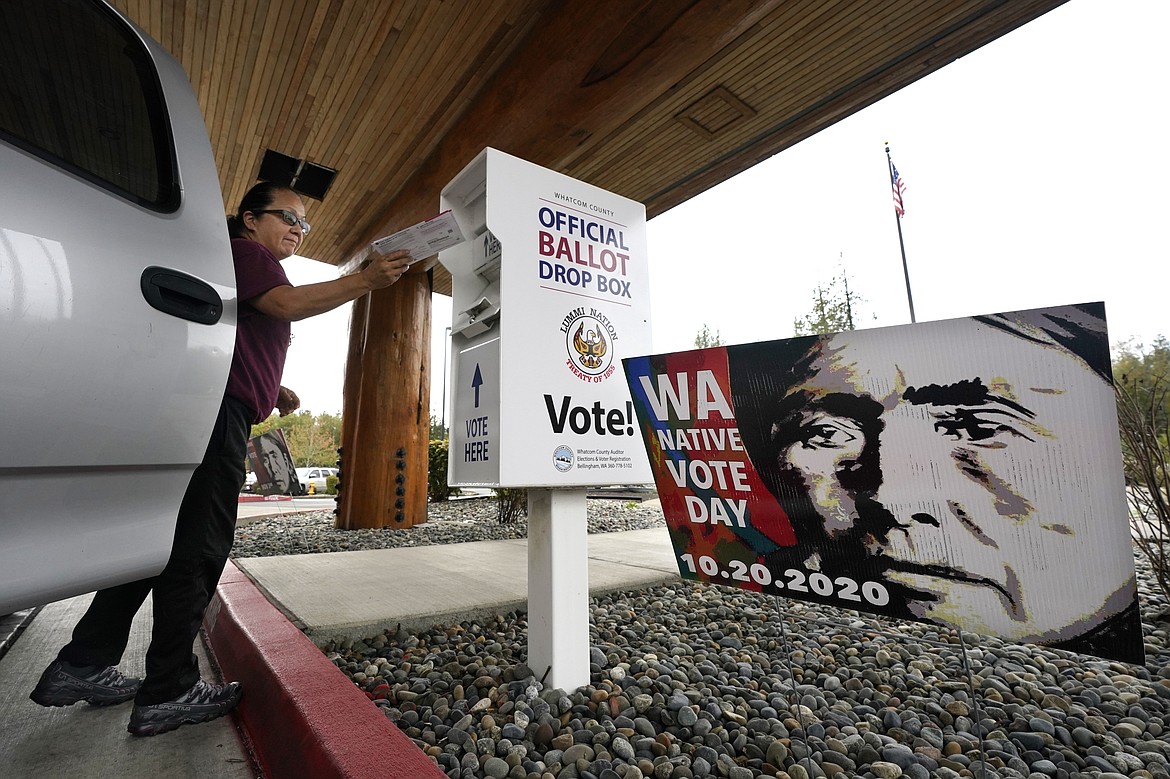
point(117, 297)
point(317, 476)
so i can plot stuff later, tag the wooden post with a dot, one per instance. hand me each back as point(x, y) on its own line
point(385, 458)
point(351, 398)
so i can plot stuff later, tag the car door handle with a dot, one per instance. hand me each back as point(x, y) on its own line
point(179, 294)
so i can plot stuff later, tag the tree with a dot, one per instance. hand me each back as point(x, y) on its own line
point(1138, 366)
point(312, 440)
point(315, 440)
point(704, 339)
point(834, 308)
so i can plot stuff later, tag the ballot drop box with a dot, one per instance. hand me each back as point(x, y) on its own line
point(550, 292)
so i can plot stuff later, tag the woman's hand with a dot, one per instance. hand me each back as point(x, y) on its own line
point(384, 270)
point(287, 401)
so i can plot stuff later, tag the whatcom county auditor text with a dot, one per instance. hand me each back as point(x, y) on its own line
point(594, 459)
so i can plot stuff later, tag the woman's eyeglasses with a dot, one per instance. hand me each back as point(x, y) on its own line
point(288, 217)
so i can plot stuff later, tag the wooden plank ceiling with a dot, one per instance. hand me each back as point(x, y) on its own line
point(657, 100)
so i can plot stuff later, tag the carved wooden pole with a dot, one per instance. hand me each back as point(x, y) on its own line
point(385, 471)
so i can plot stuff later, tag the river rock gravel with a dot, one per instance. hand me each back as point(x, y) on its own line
point(452, 522)
point(691, 681)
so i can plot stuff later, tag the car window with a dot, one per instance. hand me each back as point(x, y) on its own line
point(80, 91)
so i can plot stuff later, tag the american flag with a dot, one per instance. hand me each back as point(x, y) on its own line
point(899, 187)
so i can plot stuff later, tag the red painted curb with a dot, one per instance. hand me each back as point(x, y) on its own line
point(300, 712)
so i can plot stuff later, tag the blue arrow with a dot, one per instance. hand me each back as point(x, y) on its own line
point(476, 381)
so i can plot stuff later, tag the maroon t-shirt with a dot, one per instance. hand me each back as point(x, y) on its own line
point(261, 341)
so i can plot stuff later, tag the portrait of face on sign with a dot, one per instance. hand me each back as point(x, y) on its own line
point(965, 473)
point(270, 460)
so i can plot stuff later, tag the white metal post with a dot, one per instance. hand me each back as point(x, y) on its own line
point(558, 587)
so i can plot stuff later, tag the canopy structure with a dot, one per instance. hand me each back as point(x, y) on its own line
point(656, 100)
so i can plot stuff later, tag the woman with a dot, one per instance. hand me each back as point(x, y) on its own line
point(268, 227)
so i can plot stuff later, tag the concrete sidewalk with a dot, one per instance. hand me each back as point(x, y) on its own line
point(89, 741)
point(358, 594)
point(298, 710)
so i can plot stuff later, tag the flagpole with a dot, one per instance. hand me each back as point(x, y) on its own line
point(901, 244)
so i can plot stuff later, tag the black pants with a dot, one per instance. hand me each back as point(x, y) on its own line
point(203, 538)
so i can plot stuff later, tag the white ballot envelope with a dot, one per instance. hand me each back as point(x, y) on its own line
point(423, 239)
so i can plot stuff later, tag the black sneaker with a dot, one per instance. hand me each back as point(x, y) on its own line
point(63, 684)
point(201, 703)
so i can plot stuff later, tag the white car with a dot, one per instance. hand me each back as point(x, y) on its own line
point(318, 477)
point(117, 299)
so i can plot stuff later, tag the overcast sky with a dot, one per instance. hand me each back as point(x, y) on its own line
point(1036, 171)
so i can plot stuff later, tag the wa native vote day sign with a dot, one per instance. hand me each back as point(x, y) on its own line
point(965, 473)
point(271, 461)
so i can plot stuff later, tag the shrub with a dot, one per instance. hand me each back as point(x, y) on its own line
point(1145, 446)
point(437, 489)
point(331, 485)
point(513, 503)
